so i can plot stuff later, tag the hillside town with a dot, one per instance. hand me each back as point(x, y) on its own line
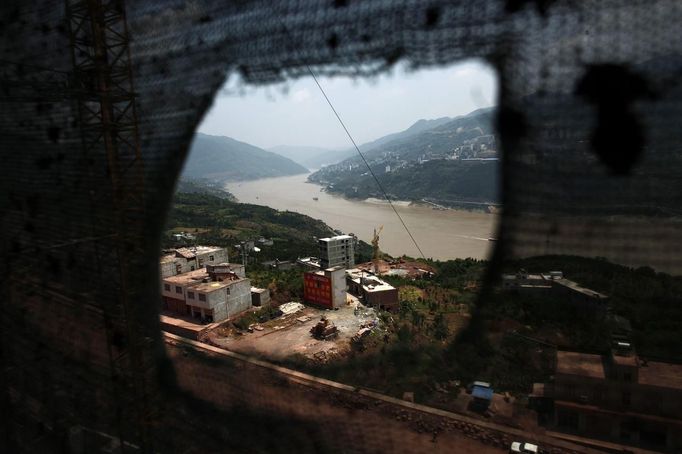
point(206, 297)
point(199, 282)
point(478, 148)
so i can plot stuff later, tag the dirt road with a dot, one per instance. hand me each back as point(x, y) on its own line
point(292, 417)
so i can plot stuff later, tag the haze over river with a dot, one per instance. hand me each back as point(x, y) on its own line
point(440, 234)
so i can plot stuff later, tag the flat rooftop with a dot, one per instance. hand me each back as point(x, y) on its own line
point(578, 288)
point(378, 288)
point(370, 282)
point(205, 249)
point(167, 258)
point(212, 286)
point(187, 278)
point(583, 364)
point(664, 375)
point(337, 238)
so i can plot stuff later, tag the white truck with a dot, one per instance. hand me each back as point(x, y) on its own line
point(523, 448)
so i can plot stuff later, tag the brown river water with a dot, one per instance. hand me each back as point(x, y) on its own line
point(440, 234)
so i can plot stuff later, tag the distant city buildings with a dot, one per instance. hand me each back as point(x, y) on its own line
point(337, 251)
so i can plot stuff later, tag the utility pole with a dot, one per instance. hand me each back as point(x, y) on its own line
point(244, 252)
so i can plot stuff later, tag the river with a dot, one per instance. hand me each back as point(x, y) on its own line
point(441, 235)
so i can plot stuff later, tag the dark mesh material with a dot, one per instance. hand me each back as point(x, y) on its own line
point(79, 287)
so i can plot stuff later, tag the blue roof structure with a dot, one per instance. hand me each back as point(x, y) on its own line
point(481, 392)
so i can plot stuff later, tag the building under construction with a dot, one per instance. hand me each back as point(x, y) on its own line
point(372, 290)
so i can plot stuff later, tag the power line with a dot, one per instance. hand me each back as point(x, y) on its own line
point(343, 125)
point(381, 188)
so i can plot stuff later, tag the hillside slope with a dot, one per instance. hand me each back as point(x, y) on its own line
point(215, 218)
point(225, 159)
point(453, 161)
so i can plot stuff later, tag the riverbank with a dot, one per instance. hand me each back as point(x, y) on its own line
point(456, 205)
point(441, 234)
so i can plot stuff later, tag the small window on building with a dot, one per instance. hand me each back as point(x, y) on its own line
point(626, 398)
point(166, 287)
point(210, 258)
point(178, 289)
point(192, 268)
point(201, 263)
point(202, 297)
point(228, 290)
point(178, 268)
point(190, 295)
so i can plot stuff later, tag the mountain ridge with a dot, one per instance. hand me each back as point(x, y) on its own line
point(222, 158)
point(453, 163)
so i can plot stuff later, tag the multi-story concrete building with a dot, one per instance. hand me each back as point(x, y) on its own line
point(212, 294)
point(326, 288)
point(337, 251)
point(174, 290)
point(219, 300)
point(555, 284)
point(619, 397)
point(186, 259)
point(373, 291)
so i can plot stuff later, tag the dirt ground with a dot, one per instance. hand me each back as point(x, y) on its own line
point(312, 420)
point(287, 335)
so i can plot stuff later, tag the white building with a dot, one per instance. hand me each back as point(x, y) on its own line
point(211, 295)
point(186, 259)
point(218, 300)
point(337, 251)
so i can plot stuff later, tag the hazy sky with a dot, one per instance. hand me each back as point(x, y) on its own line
point(297, 113)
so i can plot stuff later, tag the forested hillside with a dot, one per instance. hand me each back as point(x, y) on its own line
point(442, 160)
point(225, 159)
point(218, 220)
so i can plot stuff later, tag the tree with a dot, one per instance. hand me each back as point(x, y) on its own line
point(440, 327)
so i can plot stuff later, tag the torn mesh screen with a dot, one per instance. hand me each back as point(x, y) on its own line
point(589, 121)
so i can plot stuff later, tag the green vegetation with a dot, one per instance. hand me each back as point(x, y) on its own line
point(443, 332)
point(510, 339)
point(217, 220)
point(284, 285)
point(651, 301)
point(421, 168)
point(222, 159)
point(203, 186)
point(442, 181)
point(415, 353)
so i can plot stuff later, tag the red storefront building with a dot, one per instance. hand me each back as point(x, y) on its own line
point(325, 288)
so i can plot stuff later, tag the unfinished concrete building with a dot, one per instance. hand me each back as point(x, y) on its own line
point(373, 291)
point(186, 259)
point(619, 396)
point(337, 251)
point(212, 294)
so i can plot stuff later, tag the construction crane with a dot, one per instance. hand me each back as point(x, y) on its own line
point(375, 248)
